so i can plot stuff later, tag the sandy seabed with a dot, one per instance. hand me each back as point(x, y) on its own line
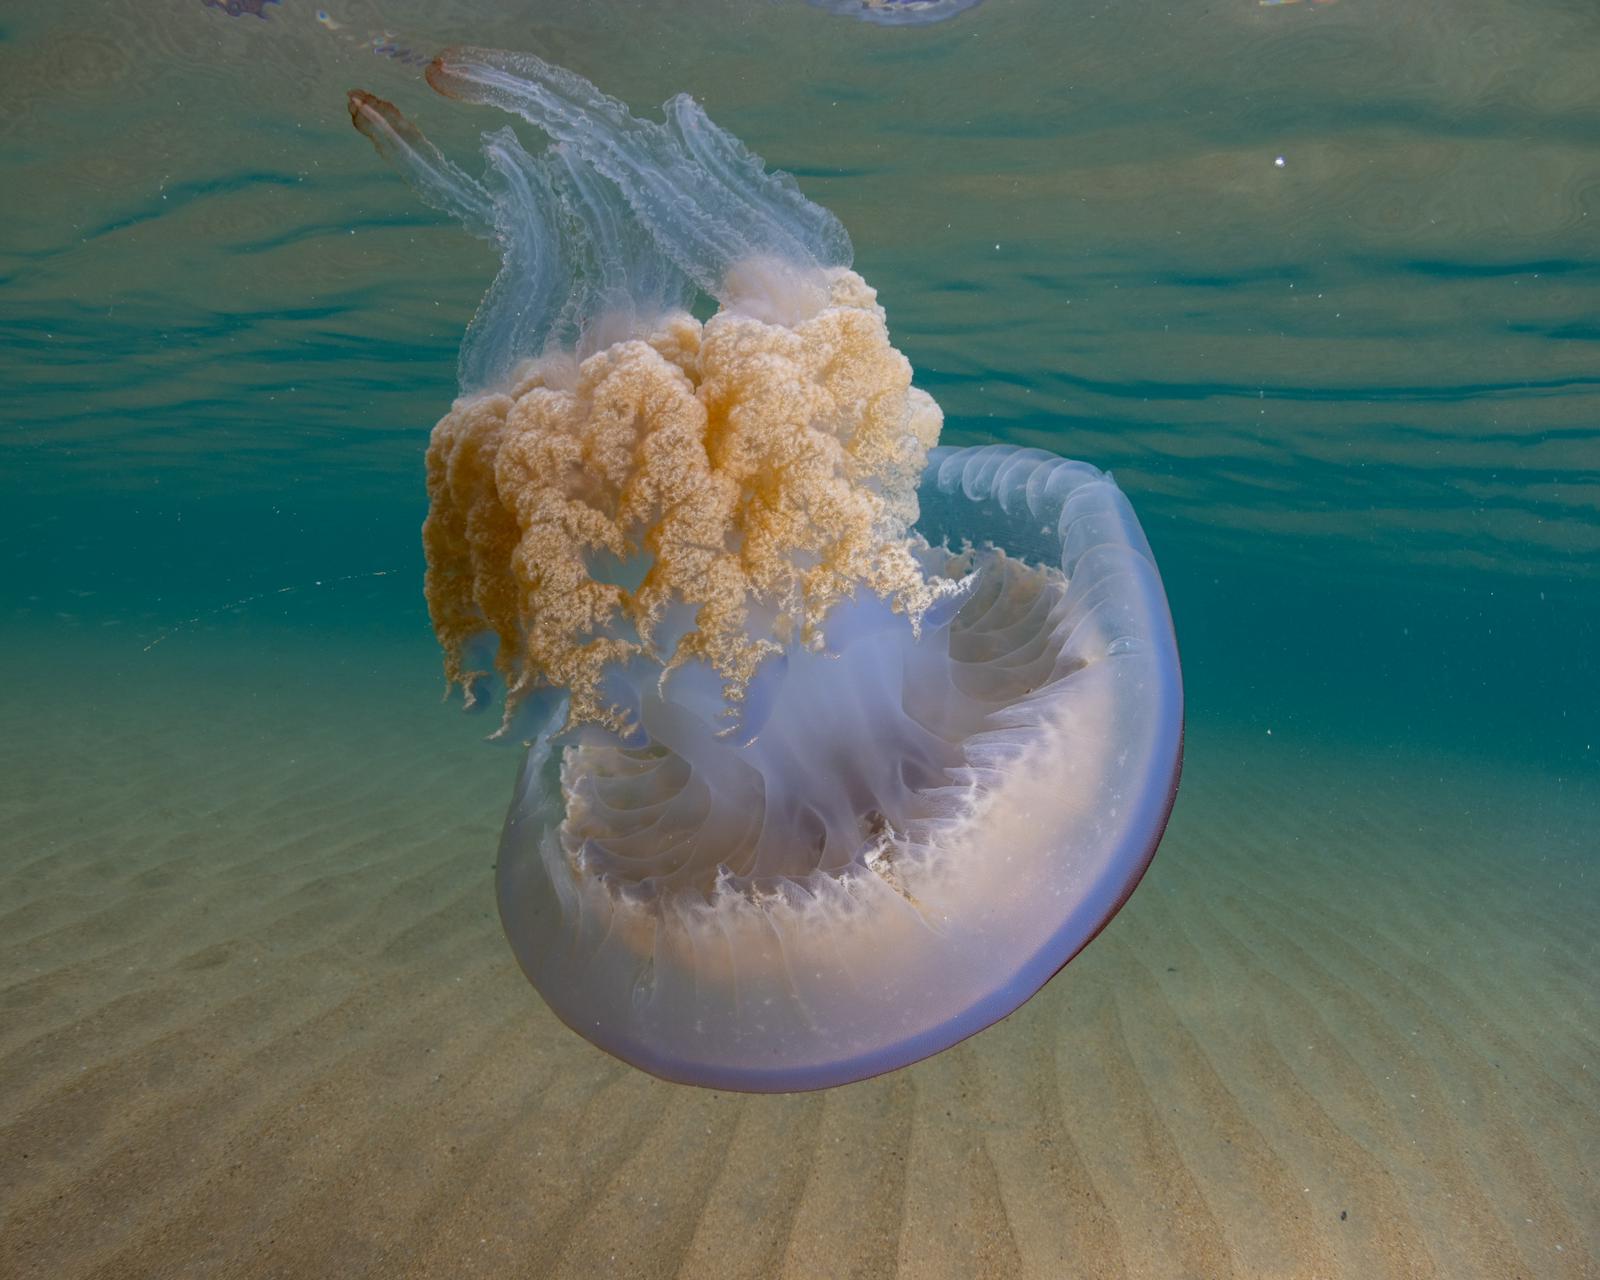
point(257, 1019)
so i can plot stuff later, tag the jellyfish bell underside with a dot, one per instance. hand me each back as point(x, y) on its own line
point(838, 744)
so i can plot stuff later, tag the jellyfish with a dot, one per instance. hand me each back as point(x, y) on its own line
point(836, 743)
point(897, 13)
point(238, 8)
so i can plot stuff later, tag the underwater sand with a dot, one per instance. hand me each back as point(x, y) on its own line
point(258, 1019)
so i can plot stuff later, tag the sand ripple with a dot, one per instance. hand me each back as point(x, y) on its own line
point(256, 1018)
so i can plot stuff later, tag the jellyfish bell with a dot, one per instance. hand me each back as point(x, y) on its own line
point(838, 744)
point(896, 13)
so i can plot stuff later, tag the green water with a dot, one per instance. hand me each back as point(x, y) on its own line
point(1319, 283)
point(1355, 396)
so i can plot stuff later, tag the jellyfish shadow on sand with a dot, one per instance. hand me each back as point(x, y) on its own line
point(837, 744)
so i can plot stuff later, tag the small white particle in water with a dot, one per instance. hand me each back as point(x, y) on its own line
point(1278, 161)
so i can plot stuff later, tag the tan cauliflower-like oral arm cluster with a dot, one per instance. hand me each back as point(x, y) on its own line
point(759, 473)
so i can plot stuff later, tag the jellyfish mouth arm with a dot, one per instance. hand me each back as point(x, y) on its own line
point(579, 272)
point(437, 180)
point(623, 284)
point(518, 314)
point(707, 200)
point(618, 225)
